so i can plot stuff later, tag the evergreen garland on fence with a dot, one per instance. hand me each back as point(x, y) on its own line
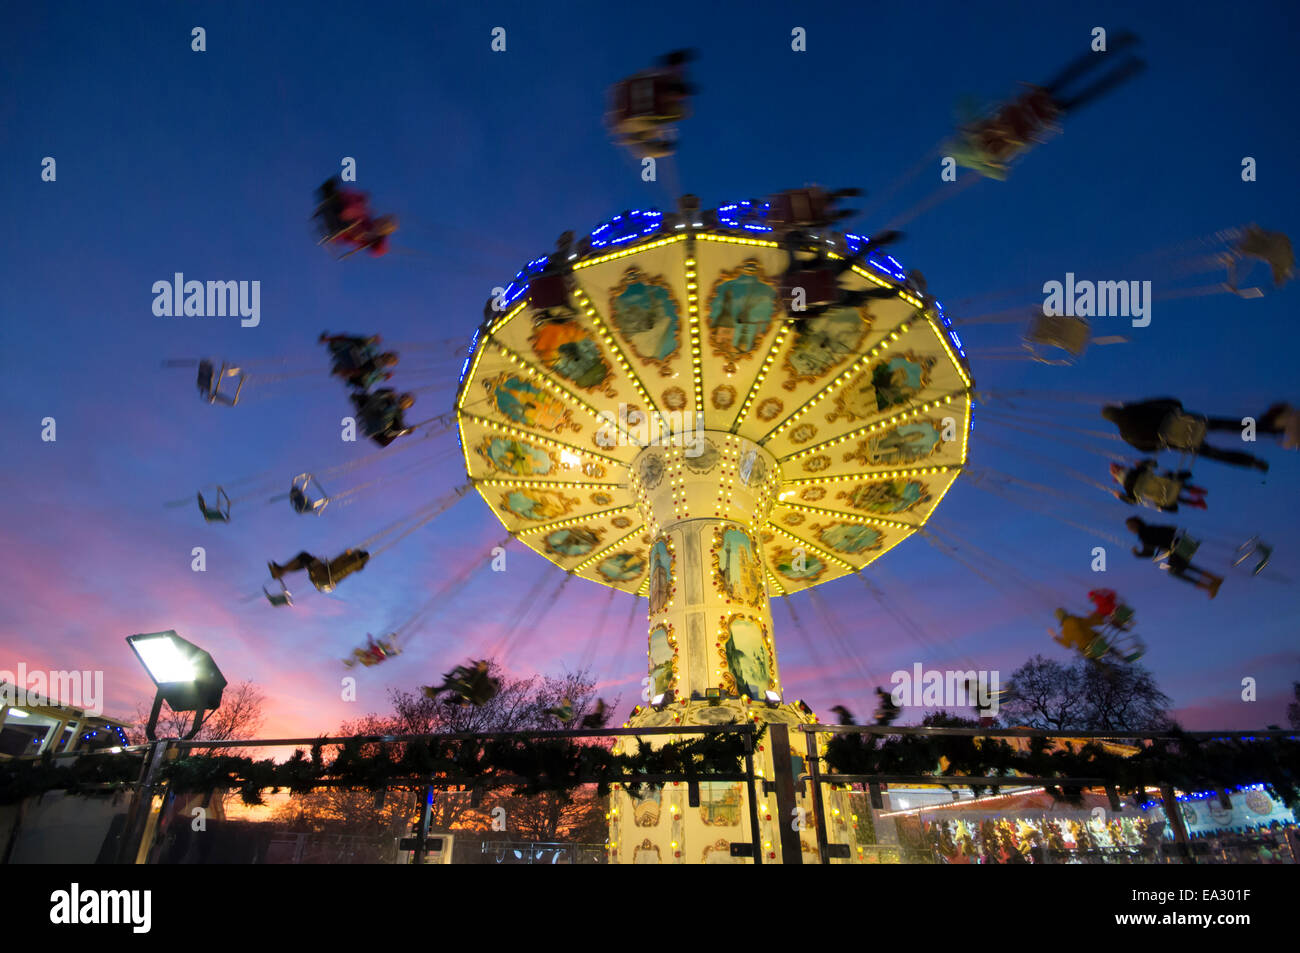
point(561, 765)
point(546, 764)
point(100, 774)
point(1186, 763)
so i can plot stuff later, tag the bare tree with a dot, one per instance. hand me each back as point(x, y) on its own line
point(552, 816)
point(1085, 696)
point(1043, 693)
point(239, 716)
point(1123, 698)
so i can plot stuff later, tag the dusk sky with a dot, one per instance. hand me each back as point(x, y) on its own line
point(170, 160)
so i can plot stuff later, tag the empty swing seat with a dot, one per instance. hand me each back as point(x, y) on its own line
point(281, 598)
point(1254, 547)
point(219, 512)
point(210, 381)
point(1129, 647)
point(1061, 331)
point(311, 503)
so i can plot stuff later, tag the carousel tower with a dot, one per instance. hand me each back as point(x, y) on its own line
point(649, 408)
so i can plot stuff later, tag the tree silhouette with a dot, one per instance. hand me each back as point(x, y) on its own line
point(1085, 696)
point(239, 716)
point(520, 705)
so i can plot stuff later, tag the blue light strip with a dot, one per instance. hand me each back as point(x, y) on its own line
point(473, 344)
point(1206, 795)
point(741, 214)
point(638, 224)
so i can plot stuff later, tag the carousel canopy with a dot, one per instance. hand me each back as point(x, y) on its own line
point(660, 330)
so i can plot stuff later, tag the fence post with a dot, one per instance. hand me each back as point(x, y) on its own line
point(137, 818)
point(754, 832)
point(783, 765)
point(1174, 814)
point(422, 835)
point(823, 844)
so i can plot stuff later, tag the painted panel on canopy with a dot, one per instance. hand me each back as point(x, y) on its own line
point(904, 499)
point(795, 571)
point(570, 351)
point(501, 455)
point(646, 313)
point(533, 506)
point(911, 443)
point(815, 351)
point(502, 391)
point(912, 371)
point(856, 543)
point(572, 544)
point(740, 315)
point(623, 568)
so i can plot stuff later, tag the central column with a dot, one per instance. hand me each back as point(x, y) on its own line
point(709, 618)
point(711, 645)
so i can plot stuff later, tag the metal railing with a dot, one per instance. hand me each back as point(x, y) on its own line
point(134, 841)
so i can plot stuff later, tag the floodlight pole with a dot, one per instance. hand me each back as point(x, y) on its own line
point(198, 723)
point(150, 730)
point(137, 818)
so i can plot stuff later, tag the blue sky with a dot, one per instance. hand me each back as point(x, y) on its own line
point(173, 160)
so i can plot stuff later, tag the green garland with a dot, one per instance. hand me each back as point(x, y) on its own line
point(550, 764)
point(1186, 763)
point(560, 764)
point(21, 779)
point(547, 764)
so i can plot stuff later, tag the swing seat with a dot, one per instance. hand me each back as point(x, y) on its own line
point(1184, 548)
point(1122, 617)
point(224, 396)
point(1063, 332)
point(1129, 648)
point(548, 291)
point(1156, 491)
point(800, 207)
point(315, 503)
point(1096, 649)
point(820, 286)
point(210, 383)
point(282, 598)
point(643, 102)
point(1254, 547)
point(1182, 431)
point(220, 511)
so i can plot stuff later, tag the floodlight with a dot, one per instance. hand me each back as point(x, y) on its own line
point(186, 677)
